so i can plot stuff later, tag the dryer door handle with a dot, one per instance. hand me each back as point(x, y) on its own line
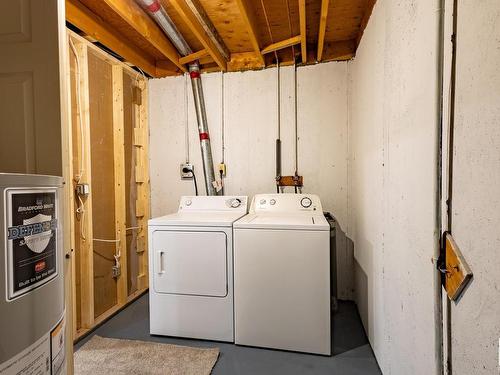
point(159, 261)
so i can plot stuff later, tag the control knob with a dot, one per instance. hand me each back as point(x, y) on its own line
point(235, 203)
point(306, 202)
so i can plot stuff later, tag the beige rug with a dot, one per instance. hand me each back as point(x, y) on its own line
point(114, 356)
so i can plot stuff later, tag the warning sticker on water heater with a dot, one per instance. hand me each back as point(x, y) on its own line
point(31, 239)
point(46, 356)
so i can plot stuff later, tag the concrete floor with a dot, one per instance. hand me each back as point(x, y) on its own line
point(352, 353)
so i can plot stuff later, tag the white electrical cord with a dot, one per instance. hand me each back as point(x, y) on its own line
point(133, 228)
point(80, 209)
point(116, 255)
point(104, 240)
point(138, 74)
point(78, 109)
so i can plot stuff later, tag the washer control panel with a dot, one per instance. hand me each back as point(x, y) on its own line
point(286, 203)
point(214, 203)
point(234, 202)
point(306, 202)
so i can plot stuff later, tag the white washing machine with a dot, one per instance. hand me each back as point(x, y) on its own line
point(191, 268)
point(282, 274)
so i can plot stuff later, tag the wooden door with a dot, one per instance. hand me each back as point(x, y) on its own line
point(30, 105)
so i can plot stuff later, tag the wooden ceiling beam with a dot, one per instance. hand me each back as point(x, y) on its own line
point(282, 44)
point(248, 15)
point(135, 17)
point(245, 61)
point(322, 28)
point(93, 25)
point(191, 20)
point(194, 56)
point(209, 27)
point(303, 41)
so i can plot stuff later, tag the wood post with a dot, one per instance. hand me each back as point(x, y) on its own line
point(82, 175)
point(119, 167)
point(142, 180)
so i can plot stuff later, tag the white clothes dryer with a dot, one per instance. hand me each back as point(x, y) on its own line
point(191, 268)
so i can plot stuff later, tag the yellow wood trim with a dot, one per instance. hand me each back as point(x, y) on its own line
point(140, 137)
point(68, 198)
point(303, 40)
point(142, 280)
point(322, 28)
point(282, 44)
point(143, 191)
point(139, 208)
point(119, 179)
point(458, 272)
point(194, 56)
point(140, 176)
point(141, 244)
point(245, 61)
point(85, 244)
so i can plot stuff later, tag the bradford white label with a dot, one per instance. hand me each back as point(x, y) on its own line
point(31, 238)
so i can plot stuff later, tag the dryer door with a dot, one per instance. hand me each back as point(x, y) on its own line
point(190, 262)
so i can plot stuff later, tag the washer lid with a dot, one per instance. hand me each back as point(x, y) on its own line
point(306, 221)
point(198, 219)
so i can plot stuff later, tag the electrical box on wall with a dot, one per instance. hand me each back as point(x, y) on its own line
point(187, 171)
point(222, 169)
point(83, 190)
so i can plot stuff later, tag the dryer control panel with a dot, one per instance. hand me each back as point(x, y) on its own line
point(214, 203)
point(286, 203)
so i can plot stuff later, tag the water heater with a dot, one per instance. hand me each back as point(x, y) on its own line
point(32, 321)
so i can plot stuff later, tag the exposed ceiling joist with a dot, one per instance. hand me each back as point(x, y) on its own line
point(282, 44)
point(322, 28)
point(132, 13)
point(93, 25)
point(235, 34)
point(248, 16)
point(197, 29)
point(302, 20)
point(244, 61)
point(208, 26)
point(194, 56)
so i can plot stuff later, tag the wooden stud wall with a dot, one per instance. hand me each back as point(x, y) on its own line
point(109, 153)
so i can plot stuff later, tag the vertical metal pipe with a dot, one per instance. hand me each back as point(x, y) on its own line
point(438, 296)
point(201, 117)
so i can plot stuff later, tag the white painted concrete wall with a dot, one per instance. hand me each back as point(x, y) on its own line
point(476, 187)
point(392, 182)
point(249, 125)
point(250, 132)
